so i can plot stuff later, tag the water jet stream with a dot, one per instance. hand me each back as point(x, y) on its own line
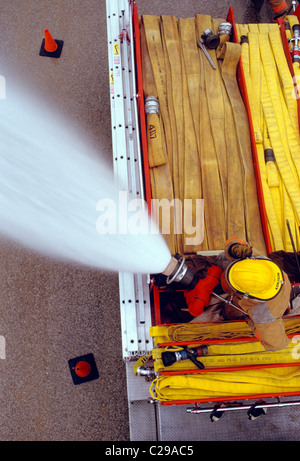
point(51, 182)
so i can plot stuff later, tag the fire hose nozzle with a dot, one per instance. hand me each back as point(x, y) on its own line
point(170, 357)
point(177, 271)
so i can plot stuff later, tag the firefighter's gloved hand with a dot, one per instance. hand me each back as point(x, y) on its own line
point(240, 251)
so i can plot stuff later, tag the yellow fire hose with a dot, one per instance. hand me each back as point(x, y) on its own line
point(275, 121)
point(228, 355)
point(190, 387)
point(250, 369)
point(186, 332)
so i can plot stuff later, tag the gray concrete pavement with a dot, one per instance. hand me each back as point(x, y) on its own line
point(52, 311)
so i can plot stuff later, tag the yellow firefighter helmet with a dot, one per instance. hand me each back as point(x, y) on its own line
point(255, 278)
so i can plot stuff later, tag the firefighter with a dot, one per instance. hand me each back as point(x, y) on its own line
point(280, 8)
point(260, 288)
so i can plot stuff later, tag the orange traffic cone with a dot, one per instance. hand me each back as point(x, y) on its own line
point(50, 44)
point(51, 47)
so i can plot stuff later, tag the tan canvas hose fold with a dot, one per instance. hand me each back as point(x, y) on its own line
point(252, 213)
point(160, 175)
point(205, 134)
point(173, 62)
point(151, 30)
point(156, 150)
point(213, 192)
point(213, 88)
point(192, 183)
point(172, 58)
point(235, 214)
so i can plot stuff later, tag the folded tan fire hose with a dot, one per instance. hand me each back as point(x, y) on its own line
point(156, 146)
point(231, 58)
point(198, 111)
point(275, 120)
point(235, 214)
point(215, 107)
point(192, 183)
point(214, 198)
point(160, 175)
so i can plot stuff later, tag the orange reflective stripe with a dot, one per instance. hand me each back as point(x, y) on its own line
point(279, 8)
point(257, 335)
point(236, 240)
